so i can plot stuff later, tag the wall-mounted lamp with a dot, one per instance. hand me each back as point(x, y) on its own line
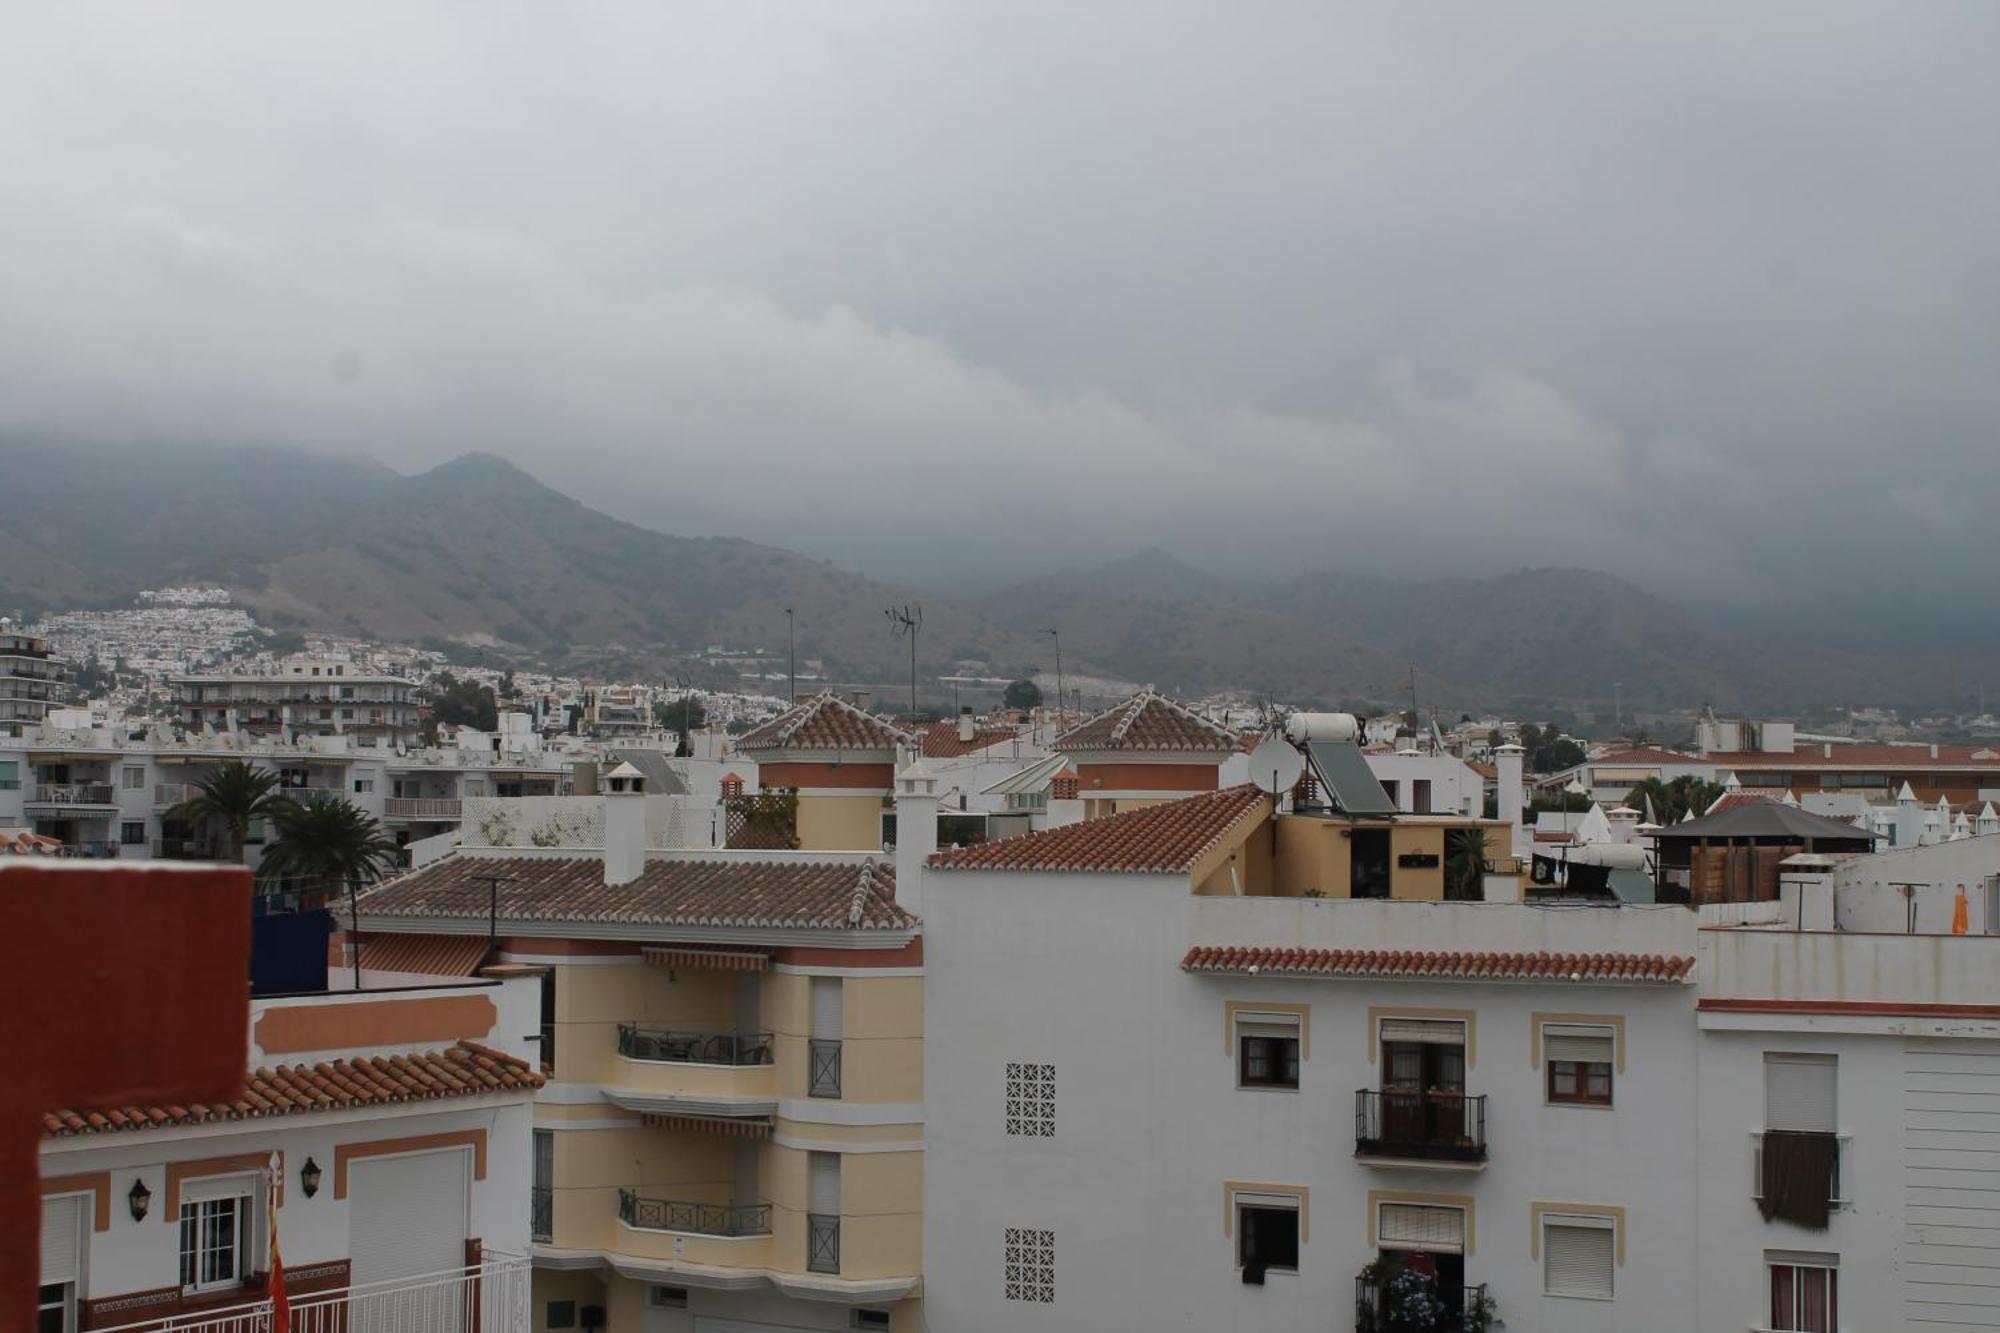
point(139, 1200)
point(309, 1177)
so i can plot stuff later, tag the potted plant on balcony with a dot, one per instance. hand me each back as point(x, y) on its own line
point(1393, 1297)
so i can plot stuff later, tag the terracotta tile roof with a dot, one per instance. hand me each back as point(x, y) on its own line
point(1646, 754)
point(670, 891)
point(824, 722)
point(431, 955)
point(1157, 839)
point(941, 740)
point(1811, 757)
point(1488, 771)
point(464, 1070)
point(1149, 721)
point(1729, 800)
point(1455, 966)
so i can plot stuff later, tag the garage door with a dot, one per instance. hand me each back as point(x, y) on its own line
point(407, 1220)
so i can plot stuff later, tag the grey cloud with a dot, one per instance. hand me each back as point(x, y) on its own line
point(1700, 295)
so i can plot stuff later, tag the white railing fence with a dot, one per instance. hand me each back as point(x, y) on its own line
point(490, 1297)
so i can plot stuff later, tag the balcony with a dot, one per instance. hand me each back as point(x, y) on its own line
point(694, 1047)
point(74, 793)
point(696, 1071)
point(730, 1220)
point(92, 850)
point(490, 1297)
point(1379, 1307)
point(184, 849)
point(1414, 1127)
point(422, 807)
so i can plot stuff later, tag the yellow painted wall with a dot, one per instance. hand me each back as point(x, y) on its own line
point(557, 1285)
point(840, 823)
point(1416, 885)
point(1250, 857)
point(1312, 854)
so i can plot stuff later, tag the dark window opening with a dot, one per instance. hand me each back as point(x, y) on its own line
point(1267, 1236)
point(1368, 862)
point(1578, 1081)
point(1268, 1062)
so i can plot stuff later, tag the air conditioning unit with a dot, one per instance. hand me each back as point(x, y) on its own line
point(1253, 1273)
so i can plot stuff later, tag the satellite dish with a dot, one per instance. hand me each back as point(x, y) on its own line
point(1275, 766)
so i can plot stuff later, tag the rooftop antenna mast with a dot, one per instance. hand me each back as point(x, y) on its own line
point(791, 654)
point(1056, 634)
point(907, 619)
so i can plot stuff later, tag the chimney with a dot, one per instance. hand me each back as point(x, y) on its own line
point(1805, 887)
point(1507, 761)
point(732, 786)
point(624, 825)
point(916, 832)
point(1909, 828)
point(861, 699)
point(965, 723)
point(1933, 749)
point(1065, 804)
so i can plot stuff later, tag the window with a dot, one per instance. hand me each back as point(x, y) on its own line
point(1804, 1292)
point(10, 775)
point(668, 1298)
point(1577, 1060)
point(135, 779)
point(215, 1242)
point(1578, 1252)
point(1430, 1228)
point(561, 1314)
point(132, 832)
point(1267, 1233)
point(869, 1319)
point(363, 786)
point(52, 1308)
point(1423, 1053)
point(1267, 1049)
point(1799, 1092)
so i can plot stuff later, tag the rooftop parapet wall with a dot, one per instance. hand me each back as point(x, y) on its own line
point(1353, 923)
point(1848, 969)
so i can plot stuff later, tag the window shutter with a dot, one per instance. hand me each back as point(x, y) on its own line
point(1585, 1045)
point(1799, 1092)
point(1411, 1226)
point(1577, 1256)
point(62, 1227)
point(1290, 1031)
point(1435, 1031)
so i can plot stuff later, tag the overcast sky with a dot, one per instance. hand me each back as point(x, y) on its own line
point(1705, 294)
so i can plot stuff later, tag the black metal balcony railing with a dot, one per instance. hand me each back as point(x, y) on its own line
point(92, 851)
point(691, 1047)
point(1441, 1124)
point(823, 1067)
point(1376, 1308)
point(702, 1219)
point(822, 1243)
point(541, 1213)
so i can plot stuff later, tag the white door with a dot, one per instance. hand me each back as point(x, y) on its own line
point(406, 1223)
point(62, 1260)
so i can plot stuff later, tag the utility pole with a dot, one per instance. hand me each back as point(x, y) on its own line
point(908, 620)
point(791, 654)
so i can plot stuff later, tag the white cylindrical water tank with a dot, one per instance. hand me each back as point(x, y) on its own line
point(1307, 727)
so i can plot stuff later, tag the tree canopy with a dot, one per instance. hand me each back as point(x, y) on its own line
point(1023, 693)
point(465, 703)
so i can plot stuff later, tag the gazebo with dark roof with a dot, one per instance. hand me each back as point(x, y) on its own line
point(1733, 854)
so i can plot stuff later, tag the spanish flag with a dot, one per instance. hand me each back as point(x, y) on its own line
point(281, 1304)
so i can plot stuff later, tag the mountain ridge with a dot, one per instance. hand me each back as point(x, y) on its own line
point(479, 551)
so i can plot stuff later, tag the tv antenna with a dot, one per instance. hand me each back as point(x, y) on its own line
point(907, 619)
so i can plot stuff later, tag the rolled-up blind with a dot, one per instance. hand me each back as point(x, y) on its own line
point(1577, 1257)
point(1799, 1092)
point(1414, 1226)
point(1436, 1031)
point(62, 1228)
point(1585, 1045)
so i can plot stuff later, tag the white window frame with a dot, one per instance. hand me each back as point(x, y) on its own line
point(239, 1191)
point(1579, 1221)
point(132, 771)
point(1267, 1023)
point(1826, 1263)
point(1291, 1203)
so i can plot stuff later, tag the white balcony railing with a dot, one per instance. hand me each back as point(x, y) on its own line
point(491, 1297)
point(421, 807)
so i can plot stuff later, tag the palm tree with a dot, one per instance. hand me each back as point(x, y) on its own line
point(1465, 865)
point(326, 843)
point(232, 795)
